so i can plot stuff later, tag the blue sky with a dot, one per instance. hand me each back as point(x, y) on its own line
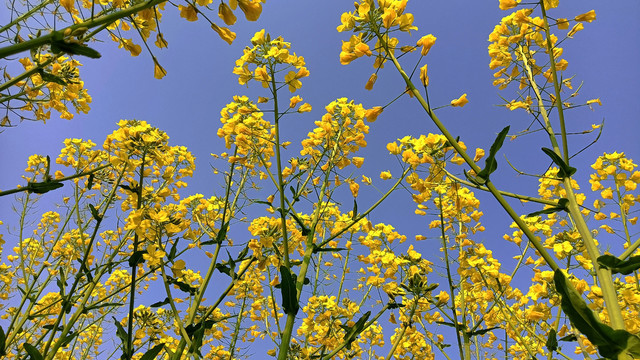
point(187, 102)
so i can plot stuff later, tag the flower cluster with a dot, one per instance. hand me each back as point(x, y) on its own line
point(56, 86)
point(341, 131)
point(266, 55)
point(243, 126)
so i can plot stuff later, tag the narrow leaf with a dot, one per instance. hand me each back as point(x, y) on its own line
point(152, 353)
point(3, 342)
point(58, 46)
point(564, 170)
point(289, 292)
point(34, 354)
point(43, 187)
point(618, 266)
point(490, 163)
point(160, 303)
point(552, 341)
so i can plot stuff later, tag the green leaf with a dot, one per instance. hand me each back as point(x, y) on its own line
point(121, 333)
point(95, 213)
point(152, 353)
point(3, 342)
point(354, 212)
point(98, 306)
point(289, 292)
point(618, 266)
point(490, 163)
point(58, 46)
point(562, 206)
point(90, 181)
point(303, 229)
point(34, 354)
point(564, 170)
point(182, 286)
point(160, 303)
point(173, 251)
point(136, 258)
point(552, 341)
point(319, 249)
point(48, 77)
point(67, 340)
point(571, 337)
point(222, 233)
point(352, 332)
point(610, 342)
point(43, 187)
point(129, 188)
point(482, 331)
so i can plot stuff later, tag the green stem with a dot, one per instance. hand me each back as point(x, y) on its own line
point(46, 39)
point(450, 279)
point(128, 351)
point(405, 326)
point(604, 275)
point(26, 15)
point(556, 85)
point(84, 173)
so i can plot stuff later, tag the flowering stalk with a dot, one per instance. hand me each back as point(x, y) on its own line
point(494, 191)
point(604, 275)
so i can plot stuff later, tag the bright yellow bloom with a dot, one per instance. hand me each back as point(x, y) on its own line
point(424, 78)
point(372, 114)
point(563, 24)
point(224, 33)
point(426, 42)
point(158, 72)
point(371, 81)
point(294, 101)
point(385, 175)
point(354, 187)
point(461, 101)
point(188, 12)
point(586, 17)
point(508, 4)
point(306, 107)
point(577, 27)
point(225, 13)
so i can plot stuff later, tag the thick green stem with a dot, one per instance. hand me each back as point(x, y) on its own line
point(604, 275)
point(46, 39)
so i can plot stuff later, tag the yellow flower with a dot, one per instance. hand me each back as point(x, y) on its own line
point(188, 12)
point(426, 42)
point(372, 114)
point(371, 81)
point(357, 161)
point(294, 101)
point(354, 187)
point(292, 79)
point(586, 17)
point(563, 24)
point(577, 27)
point(225, 13)
point(424, 78)
point(479, 154)
point(160, 41)
point(594, 101)
point(508, 4)
point(251, 9)
point(306, 107)
point(385, 175)
point(461, 101)
point(158, 72)
point(226, 34)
